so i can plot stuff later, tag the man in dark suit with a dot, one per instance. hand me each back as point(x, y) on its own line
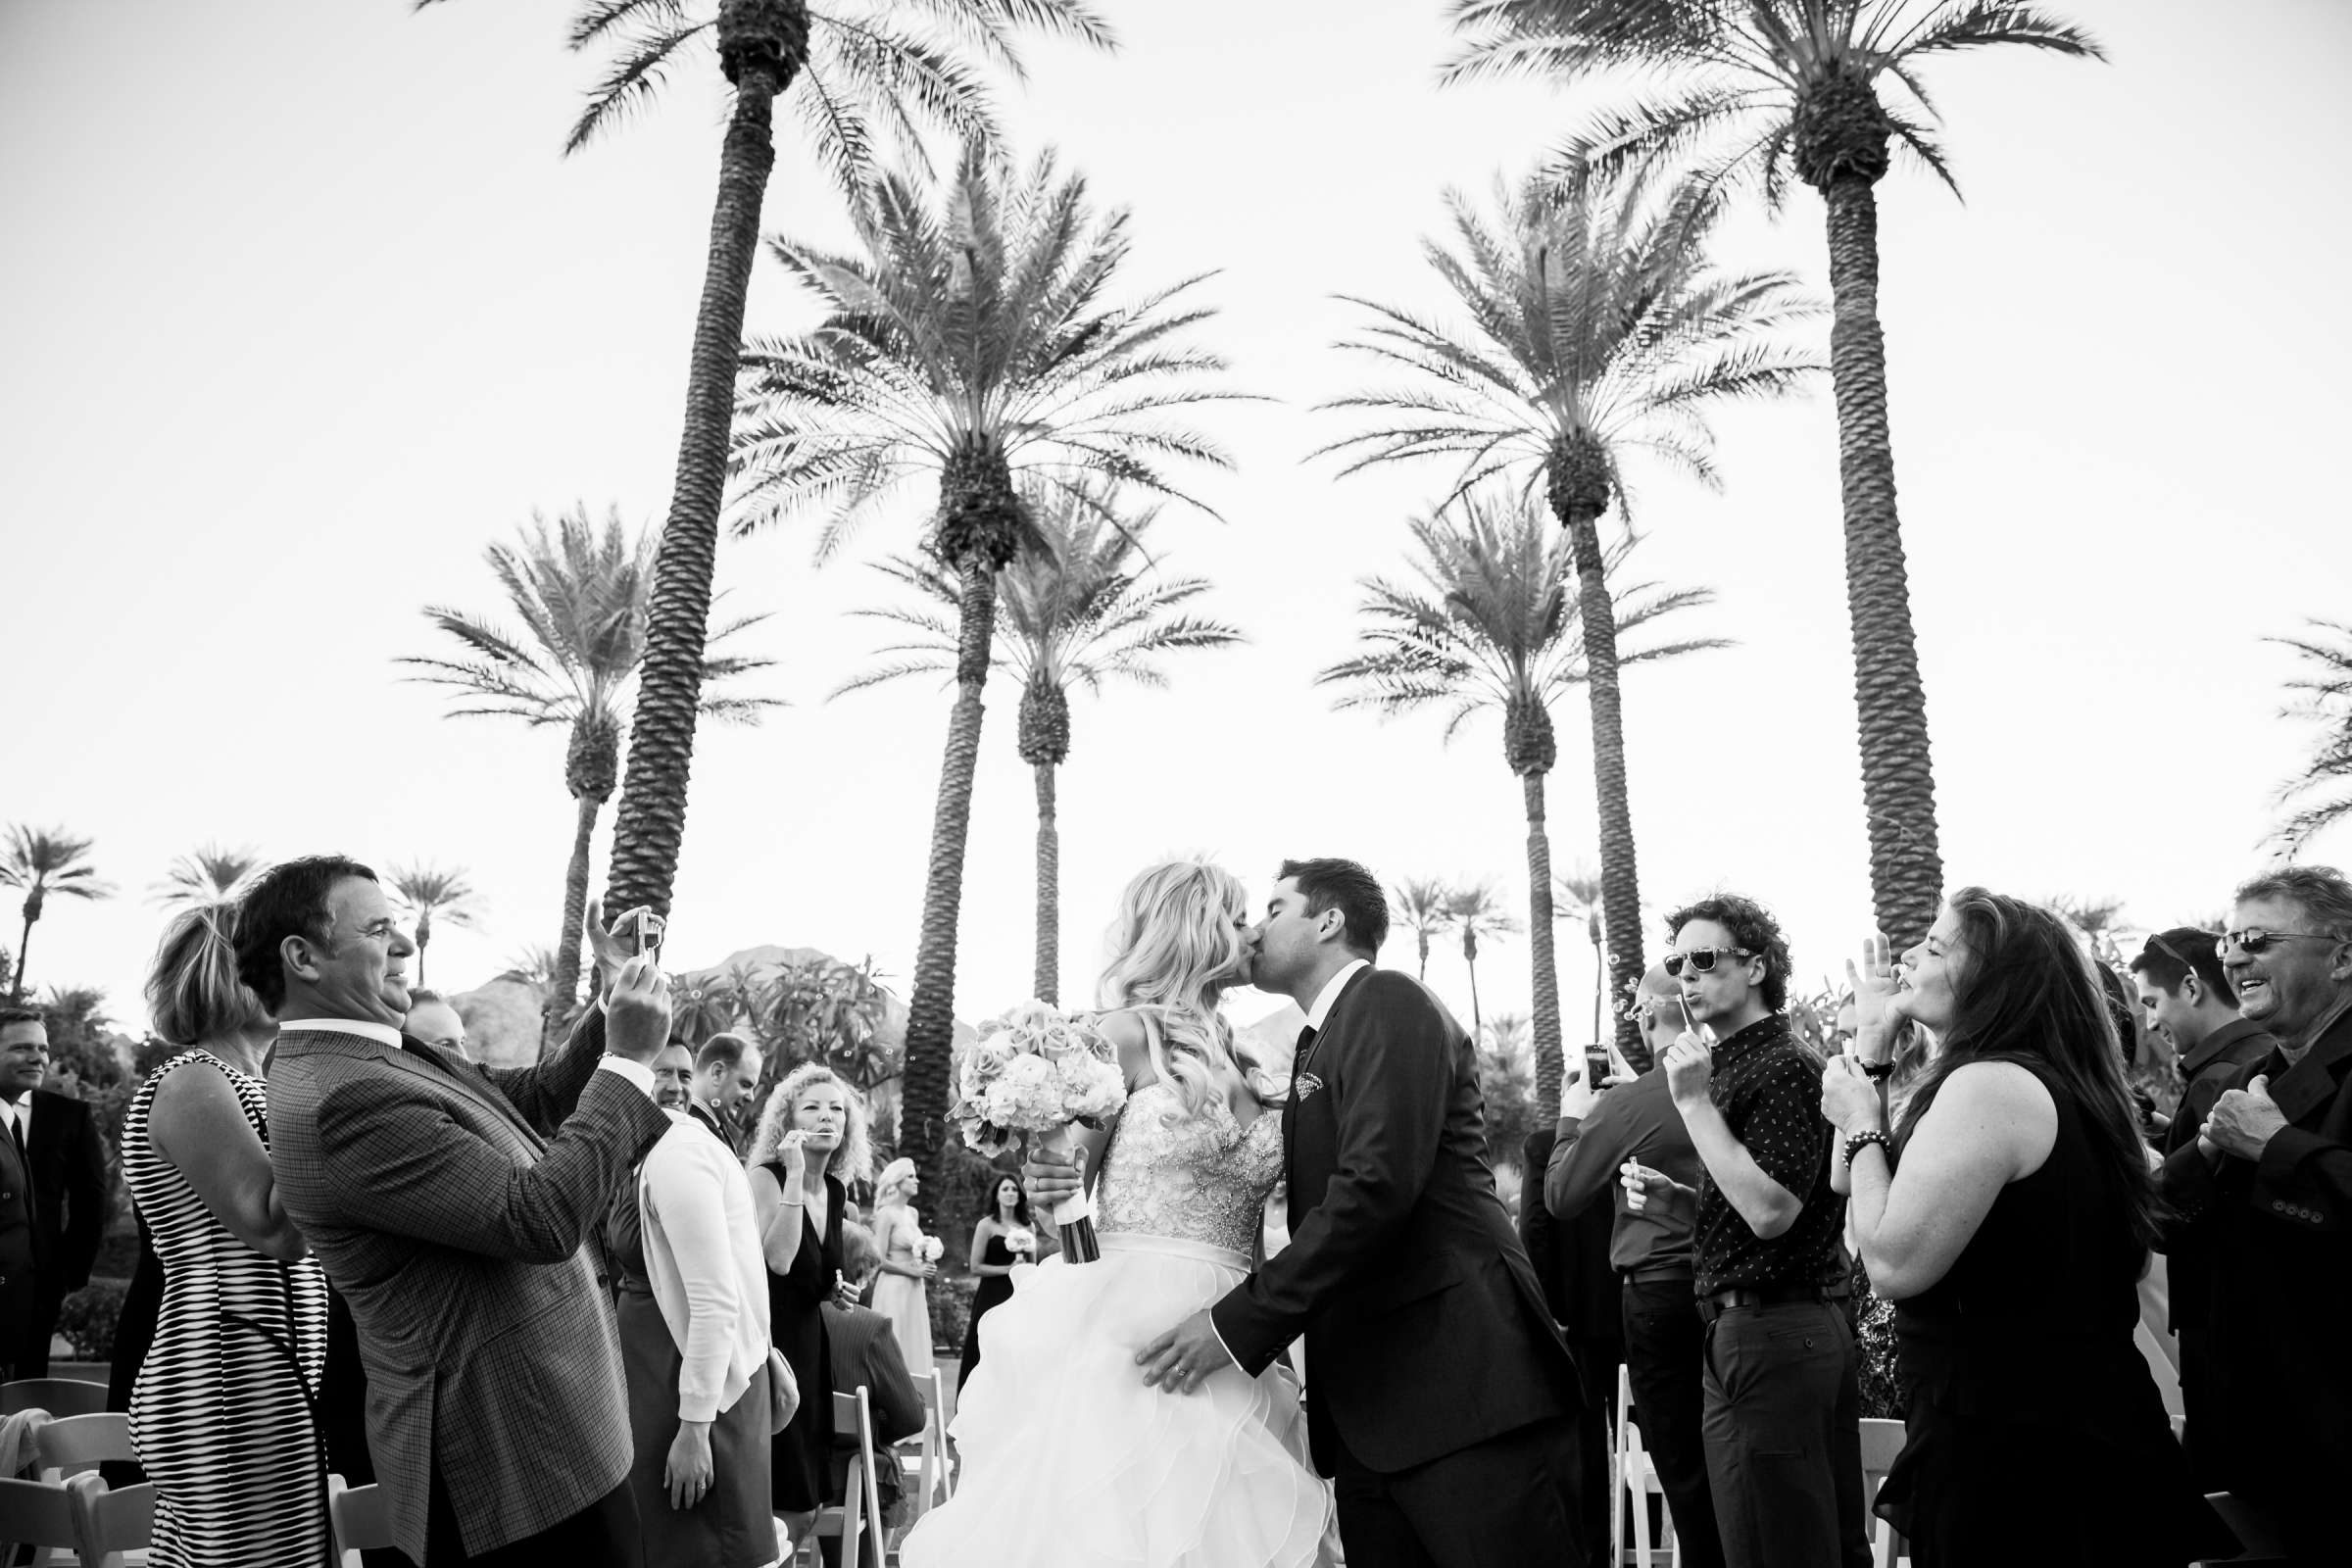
point(1571, 1261)
point(2266, 1190)
point(497, 1410)
point(1440, 1397)
point(2186, 996)
point(57, 1140)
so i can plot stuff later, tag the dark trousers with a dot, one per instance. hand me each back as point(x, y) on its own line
point(1784, 1437)
point(1502, 1504)
point(1596, 1361)
point(1665, 1367)
point(603, 1535)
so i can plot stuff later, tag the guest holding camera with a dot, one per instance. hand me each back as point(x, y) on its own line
point(2008, 1212)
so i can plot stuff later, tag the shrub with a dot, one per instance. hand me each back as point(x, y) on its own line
point(88, 1317)
point(950, 1299)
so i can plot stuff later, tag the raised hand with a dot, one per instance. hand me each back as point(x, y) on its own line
point(614, 947)
point(1689, 1066)
point(1881, 1006)
point(793, 1155)
point(637, 1011)
point(1849, 1098)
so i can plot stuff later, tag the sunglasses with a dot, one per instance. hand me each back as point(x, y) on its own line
point(1703, 960)
point(2255, 941)
point(2157, 942)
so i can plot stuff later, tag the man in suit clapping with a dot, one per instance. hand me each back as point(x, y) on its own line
point(498, 1413)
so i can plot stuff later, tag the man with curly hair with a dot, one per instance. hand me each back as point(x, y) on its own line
point(1782, 1423)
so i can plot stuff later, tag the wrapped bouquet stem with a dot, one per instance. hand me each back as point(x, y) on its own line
point(1034, 1073)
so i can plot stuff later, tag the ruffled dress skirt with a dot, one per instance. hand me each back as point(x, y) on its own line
point(1070, 1461)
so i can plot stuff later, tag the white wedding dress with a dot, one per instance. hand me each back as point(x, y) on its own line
point(1069, 1460)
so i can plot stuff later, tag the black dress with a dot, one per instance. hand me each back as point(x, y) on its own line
point(797, 1323)
point(994, 1289)
point(2033, 1432)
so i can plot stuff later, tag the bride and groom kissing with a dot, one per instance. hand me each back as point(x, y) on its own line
point(1139, 1409)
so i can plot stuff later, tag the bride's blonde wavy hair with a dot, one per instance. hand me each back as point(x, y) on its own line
point(1176, 948)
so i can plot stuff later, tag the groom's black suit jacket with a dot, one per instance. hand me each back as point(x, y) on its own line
point(1426, 1330)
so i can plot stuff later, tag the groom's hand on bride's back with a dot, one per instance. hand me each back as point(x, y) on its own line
point(1051, 1177)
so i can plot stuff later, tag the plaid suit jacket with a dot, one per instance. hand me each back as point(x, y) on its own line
point(455, 1234)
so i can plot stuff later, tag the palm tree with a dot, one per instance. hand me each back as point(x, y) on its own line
point(2096, 919)
point(1492, 625)
point(2324, 695)
point(1762, 89)
point(973, 341)
point(1576, 896)
point(532, 966)
point(211, 874)
point(431, 890)
point(1478, 913)
point(41, 863)
point(584, 599)
point(1424, 905)
point(1076, 608)
point(1598, 329)
point(865, 70)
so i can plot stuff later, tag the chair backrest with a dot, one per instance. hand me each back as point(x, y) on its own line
point(60, 1397)
point(859, 1518)
point(82, 1443)
point(360, 1519)
point(1881, 1441)
point(38, 1515)
point(931, 1475)
point(111, 1523)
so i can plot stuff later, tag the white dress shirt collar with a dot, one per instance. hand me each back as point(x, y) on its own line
point(366, 1028)
point(1330, 993)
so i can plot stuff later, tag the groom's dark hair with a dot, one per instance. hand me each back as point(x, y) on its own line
point(1345, 886)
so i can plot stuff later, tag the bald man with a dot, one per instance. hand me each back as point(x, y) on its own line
point(1665, 1361)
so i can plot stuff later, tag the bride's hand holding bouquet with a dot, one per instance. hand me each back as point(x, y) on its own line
point(1031, 1075)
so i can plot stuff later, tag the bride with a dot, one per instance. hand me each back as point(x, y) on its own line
point(1069, 1458)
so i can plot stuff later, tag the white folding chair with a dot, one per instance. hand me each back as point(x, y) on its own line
point(38, 1514)
point(1881, 1441)
point(65, 1448)
point(857, 1522)
point(111, 1526)
point(358, 1518)
point(926, 1469)
point(1633, 1482)
point(60, 1397)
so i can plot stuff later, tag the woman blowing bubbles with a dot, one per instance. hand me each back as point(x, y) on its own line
point(2008, 1214)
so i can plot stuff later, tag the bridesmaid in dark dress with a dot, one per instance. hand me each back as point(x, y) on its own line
point(2008, 1214)
point(997, 1248)
point(812, 1139)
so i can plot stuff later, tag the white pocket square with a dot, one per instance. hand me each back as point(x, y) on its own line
point(1306, 1084)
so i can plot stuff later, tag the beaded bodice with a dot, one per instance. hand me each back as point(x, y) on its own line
point(1200, 1178)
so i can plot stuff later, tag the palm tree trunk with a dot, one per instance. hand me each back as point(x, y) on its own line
point(424, 934)
point(651, 824)
point(1049, 889)
point(1424, 956)
point(1600, 976)
point(565, 983)
point(1898, 780)
point(1620, 877)
point(1478, 1024)
point(1551, 1063)
point(23, 945)
point(931, 1010)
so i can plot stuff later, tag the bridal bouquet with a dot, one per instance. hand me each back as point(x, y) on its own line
point(1033, 1073)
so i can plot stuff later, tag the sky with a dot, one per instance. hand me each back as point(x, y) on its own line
point(303, 309)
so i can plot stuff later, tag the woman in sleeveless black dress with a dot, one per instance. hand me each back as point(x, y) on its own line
point(2033, 1432)
point(824, 1120)
point(994, 1258)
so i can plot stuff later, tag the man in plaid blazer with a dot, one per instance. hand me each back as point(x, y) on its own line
point(497, 1410)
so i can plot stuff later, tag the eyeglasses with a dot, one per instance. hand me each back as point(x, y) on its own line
point(1703, 960)
point(2254, 940)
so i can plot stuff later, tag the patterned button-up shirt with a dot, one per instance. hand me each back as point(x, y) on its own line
point(1768, 1088)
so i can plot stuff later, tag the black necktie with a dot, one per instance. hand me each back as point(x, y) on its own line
point(1306, 1045)
point(16, 1130)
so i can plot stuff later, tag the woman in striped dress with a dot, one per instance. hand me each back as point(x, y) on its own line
point(222, 1415)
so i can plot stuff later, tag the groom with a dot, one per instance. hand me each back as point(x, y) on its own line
point(1441, 1399)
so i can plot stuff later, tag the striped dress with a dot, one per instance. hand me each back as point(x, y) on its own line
point(219, 1416)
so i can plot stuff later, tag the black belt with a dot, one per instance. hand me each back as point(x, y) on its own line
point(1657, 1276)
point(1716, 1303)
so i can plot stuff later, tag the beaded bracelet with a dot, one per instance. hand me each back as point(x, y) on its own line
point(1855, 1145)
